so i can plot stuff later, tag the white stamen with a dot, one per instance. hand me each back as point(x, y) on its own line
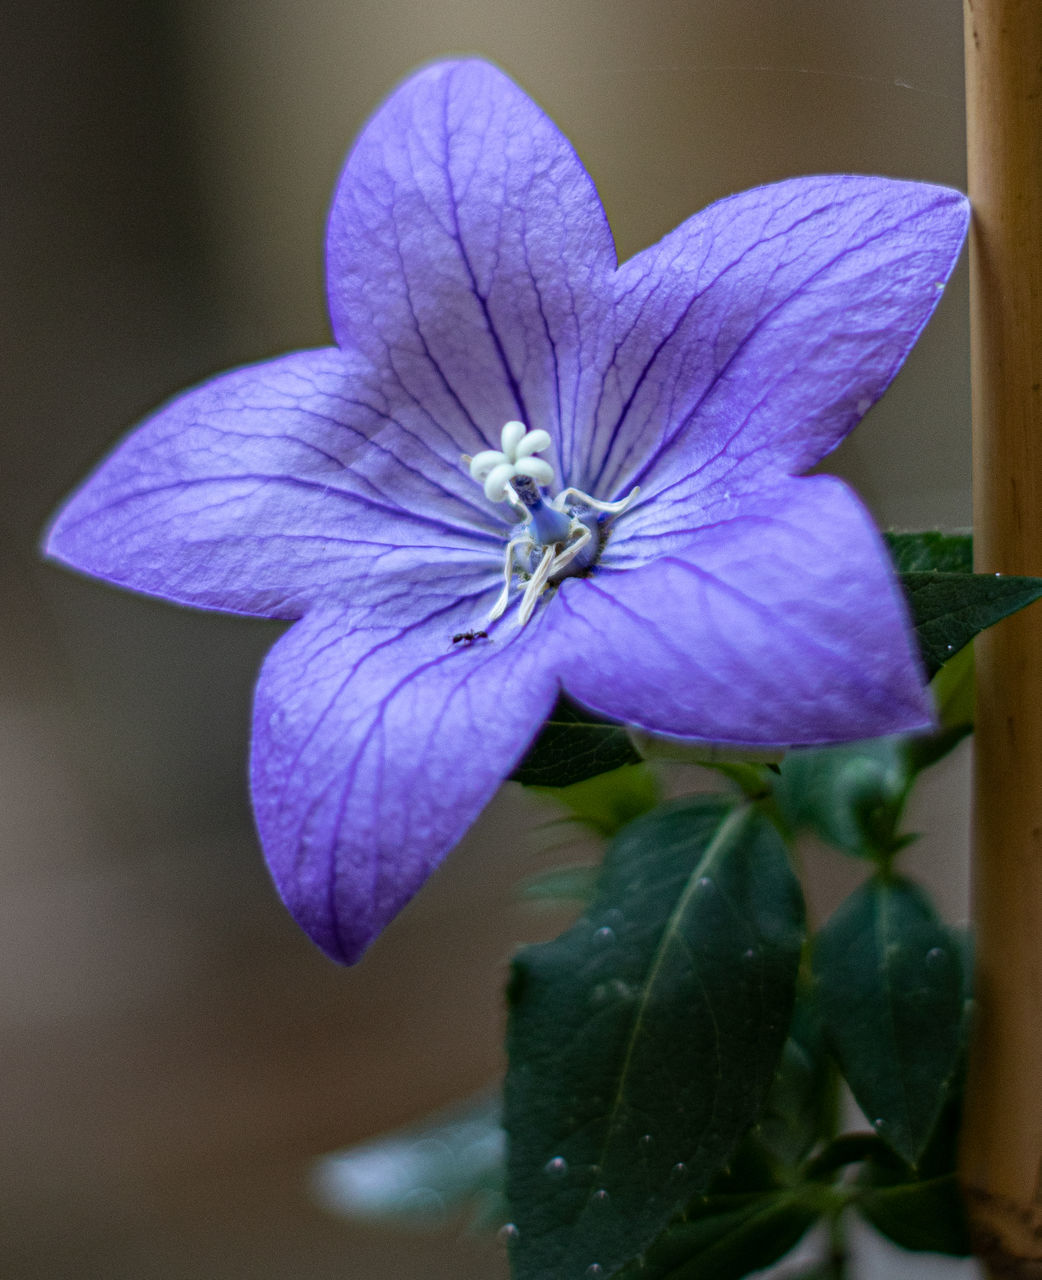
point(566, 556)
point(494, 469)
point(535, 586)
point(508, 576)
point(612, 508)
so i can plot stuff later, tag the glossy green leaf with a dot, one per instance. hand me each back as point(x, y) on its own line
point(931, 551)
point(642, 1042)
point(949, 609)
point(726, 1237)
point(573, 745)
point(890, 990)
point(951, 604)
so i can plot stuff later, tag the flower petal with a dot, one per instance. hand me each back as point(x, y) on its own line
point(274, 487)
point(760, 331)
point(375, 749)
point(779, 624)
point(469, 257)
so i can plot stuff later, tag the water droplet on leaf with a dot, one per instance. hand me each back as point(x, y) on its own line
point(507, 1232)
point(557, 1167)
point(605, 936)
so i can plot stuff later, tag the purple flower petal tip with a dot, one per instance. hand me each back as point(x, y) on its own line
point(525, 468)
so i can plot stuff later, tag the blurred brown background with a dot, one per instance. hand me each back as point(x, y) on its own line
point(173, 1052)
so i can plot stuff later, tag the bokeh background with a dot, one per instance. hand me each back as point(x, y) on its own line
point(173, 1052)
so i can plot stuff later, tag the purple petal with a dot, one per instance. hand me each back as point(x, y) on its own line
point(758, 333)
point(278, 486)
point(375, 749)
point(780, 623)
point(470, 258)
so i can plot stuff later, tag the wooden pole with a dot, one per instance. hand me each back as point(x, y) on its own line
point(1002, 1146)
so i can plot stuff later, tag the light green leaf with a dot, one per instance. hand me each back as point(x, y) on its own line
point(890, 990)
point(416, 1176)
point(953, 690)
point(572, 883)
point(643, 1042)
point(605, 803)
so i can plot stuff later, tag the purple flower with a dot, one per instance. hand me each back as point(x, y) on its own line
point(524, 469)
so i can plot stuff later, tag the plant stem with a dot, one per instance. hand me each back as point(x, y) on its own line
point(1002, 1147)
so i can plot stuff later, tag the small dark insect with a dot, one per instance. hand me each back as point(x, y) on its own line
point(468, 637)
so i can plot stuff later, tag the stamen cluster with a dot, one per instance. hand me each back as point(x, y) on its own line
point(553, 531)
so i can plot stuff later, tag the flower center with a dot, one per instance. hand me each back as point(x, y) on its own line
point(555, 538)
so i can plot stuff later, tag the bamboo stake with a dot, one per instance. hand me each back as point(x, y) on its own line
point(1002, 1145)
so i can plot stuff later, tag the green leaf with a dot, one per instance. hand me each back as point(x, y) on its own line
point(851, 796)
point(950, 603)
point(890, 990)
point(923, 1212)
point(573, 745)
point(416, 1176)
point(953, 689)
point(925, 1215)
point(607, 802)
point(931, 551)
point(949, 609)
point(726, 1237)
point(800, 1100)
point(643, 1041)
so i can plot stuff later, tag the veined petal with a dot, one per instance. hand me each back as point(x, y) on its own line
point(469, 257)
point(275, 487)
point(755, 336)
point(779, 624)
point(373, 751)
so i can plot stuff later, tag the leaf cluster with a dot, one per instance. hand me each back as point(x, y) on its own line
point(677, 1057)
